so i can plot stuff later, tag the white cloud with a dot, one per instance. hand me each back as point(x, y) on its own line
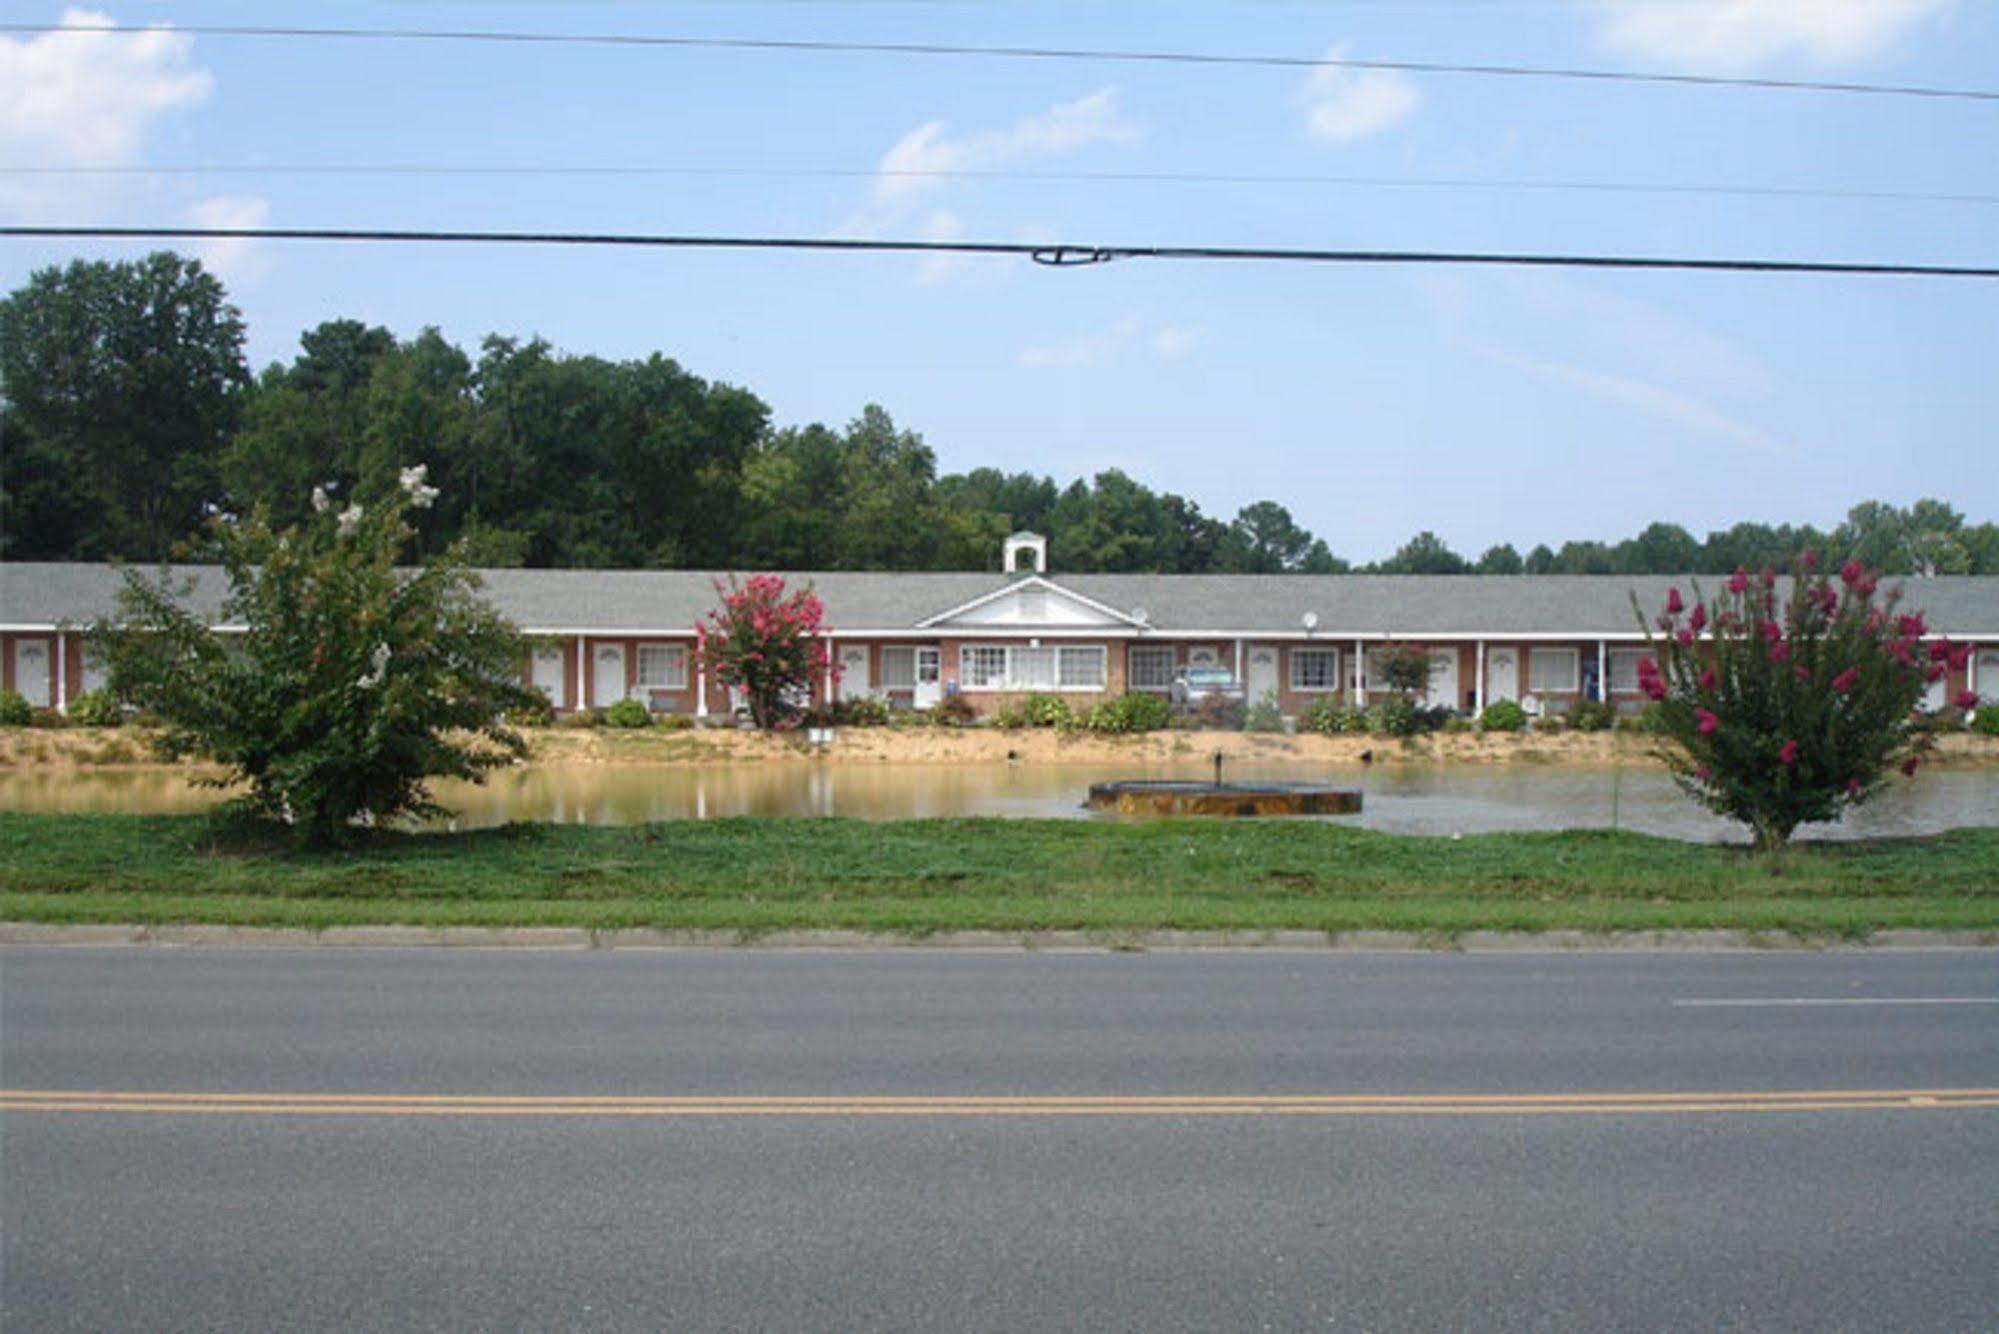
point(1168, 342)
point(237, 260)
point(1062, 128)
point(1741, 34)
point(1642, 396)
point(939, 265)
point(1343, 104)
point(1172, 341)
point(68, 100)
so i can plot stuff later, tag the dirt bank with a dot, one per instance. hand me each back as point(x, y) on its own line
point(85, 747)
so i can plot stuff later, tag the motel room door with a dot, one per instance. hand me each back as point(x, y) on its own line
point(929, 691)
point(607, 674)
point(1502, 675)
point(547, 673)
point(1259, 672)
point(1443, 688)
point(31, 672)
point(854, 683)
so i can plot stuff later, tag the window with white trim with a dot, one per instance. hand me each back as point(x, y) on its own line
point(1315, 669)
point(1556, 670)
point(1020, 667)
point(1081, 668)
point(1032, 669)
point(898, 669)
point(1149, 667)
point(1624, 670)
point(662, 667)
point(982, 666)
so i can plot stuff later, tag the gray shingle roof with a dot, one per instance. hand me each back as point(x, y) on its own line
point(1411, 606)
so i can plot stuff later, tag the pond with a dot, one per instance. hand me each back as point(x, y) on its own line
point(1401, 799)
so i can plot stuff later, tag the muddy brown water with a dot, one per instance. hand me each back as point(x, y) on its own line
point(1410, 800)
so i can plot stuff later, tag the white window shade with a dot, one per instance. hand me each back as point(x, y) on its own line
point(662, 667)
point(1553, 669)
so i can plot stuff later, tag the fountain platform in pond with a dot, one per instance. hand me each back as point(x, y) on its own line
point(1181, 797)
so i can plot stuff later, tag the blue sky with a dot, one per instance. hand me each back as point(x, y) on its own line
point(1487, 406)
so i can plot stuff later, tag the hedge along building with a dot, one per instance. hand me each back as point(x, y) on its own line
point(603, 635)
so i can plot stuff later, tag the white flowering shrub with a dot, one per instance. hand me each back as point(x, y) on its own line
point(353, 680)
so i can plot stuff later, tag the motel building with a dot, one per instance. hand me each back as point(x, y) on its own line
point(1547, 641)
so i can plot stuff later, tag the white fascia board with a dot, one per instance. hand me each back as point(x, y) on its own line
point(1035, 581)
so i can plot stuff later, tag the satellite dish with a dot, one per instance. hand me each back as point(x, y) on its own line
point(1310, 620)
point(1139, 614)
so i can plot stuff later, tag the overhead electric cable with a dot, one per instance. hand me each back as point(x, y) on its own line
point(1043, 177)
point(806, 45)
point(1060, 256)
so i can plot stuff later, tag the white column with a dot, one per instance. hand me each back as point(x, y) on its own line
point(1478, 678)
point(1238, 662)
point(826, 685)
point(582, 675)
point(1359, 676)
point(62, 671)
point(700, 689)
point(1602, 671)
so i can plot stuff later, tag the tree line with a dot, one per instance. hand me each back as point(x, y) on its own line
point(129, 418)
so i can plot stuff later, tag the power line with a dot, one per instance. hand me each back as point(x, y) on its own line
point(1058, 256)
point(1045, 177)
point(802, 45)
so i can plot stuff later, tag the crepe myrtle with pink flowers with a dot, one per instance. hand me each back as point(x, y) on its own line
point(1786, 707)
point(769, 644)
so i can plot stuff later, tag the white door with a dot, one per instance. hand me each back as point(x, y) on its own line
point(1259, 675)
point(929, 678)
point(1502, 675)
point(1933, 696)
point(96, 672)
point(607, 674)
point(547, 672)
point(1443, 688)
point(854, 682)
point(1988, 675)
point(32, 677)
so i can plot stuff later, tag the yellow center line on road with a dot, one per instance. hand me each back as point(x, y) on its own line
point(979, 1105)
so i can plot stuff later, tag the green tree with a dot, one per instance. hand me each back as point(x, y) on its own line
point(1663, 548)
point(1425, 553)
point(355, 681)
point(1781, 710)
point(1502, 559)
point(1265, 539)
point(122, 382)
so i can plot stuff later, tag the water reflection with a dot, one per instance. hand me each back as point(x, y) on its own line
point(1421, 800)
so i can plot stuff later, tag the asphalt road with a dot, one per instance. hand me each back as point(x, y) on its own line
point(714, 1214)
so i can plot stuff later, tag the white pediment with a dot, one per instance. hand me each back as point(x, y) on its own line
point(1032, 604)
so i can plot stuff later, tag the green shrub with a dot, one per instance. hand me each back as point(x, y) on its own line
point(1503, 715)
point(675, 722)
point(860, 711)
point(537, 712)
point(14, 710)
point(954, 711)
point(1398, 716)
point(1985, 722)
point(1036, 711)
point(1592, 715)
point(1786, 709)
point(582, 719)
point(627, 713)
point(1550, 721)
point(358, 677)
point(46, 718)
point(96, 708)
point(1128, 713)
point(1329, 715)
point(1264, 715)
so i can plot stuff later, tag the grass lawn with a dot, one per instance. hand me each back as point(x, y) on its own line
point(922, 876)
